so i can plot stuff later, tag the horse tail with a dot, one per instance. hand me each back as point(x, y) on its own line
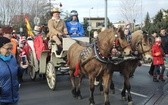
point(77, 68)
point(68, 57)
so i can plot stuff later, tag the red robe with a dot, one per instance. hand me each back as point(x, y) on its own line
point(39, 45)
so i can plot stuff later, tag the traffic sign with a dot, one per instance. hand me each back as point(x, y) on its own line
point(89, 28)
point(36, 20)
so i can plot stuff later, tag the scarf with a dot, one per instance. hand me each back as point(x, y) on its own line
point(6, 58)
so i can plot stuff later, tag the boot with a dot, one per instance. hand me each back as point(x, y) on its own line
point(155, 78)
point(49, 44)
point(59, 49)
point(139, 63)
point(150, 73)
point(161, 78)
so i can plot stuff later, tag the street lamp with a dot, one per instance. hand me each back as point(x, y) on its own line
point(134, 24)
point(90, 16)
point(89, 27)
point(105, 13)
point(141, 14)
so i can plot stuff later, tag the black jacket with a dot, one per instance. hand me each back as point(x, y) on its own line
point(165, 43)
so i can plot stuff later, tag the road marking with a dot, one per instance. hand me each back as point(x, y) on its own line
point(137, 94)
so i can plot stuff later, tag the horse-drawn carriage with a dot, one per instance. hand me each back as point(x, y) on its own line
point(101, 58)
point(50, 63)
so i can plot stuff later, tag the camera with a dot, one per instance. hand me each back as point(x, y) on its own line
point(24, 59)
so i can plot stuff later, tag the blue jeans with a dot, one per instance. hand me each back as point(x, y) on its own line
point(1, 103)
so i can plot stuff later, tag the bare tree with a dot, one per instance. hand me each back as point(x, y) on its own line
point(130, 9)
point(36, 8)
point(8, 9)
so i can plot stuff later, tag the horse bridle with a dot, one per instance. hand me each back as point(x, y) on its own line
point(143, 51)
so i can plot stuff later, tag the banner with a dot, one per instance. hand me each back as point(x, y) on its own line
point(29, 29)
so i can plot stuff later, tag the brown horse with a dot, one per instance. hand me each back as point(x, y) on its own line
point(95, 60)
point(141, 44)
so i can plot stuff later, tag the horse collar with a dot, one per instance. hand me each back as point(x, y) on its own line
point(99, 56)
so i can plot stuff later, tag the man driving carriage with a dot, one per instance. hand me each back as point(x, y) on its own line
point(57, 28)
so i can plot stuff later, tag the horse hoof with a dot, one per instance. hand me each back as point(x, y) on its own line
point(107, 103)
point(92, 104)
point(74, 96)
point(124, 98)
point(112, 92)
point(130, 103)
point(79, 97)
point(101, 92)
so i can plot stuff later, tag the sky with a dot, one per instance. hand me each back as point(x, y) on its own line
point(96, 8)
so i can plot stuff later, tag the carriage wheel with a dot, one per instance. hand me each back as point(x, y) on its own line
point(51, 75)
point(31, 69)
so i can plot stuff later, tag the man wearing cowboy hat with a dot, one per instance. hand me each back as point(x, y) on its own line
point(57, 27)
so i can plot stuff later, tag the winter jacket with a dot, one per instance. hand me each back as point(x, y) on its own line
point(56, 27)
point(158, 55)
point(164, 43)
point(75, 29)
point(9, 81)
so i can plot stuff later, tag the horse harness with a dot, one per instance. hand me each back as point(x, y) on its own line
point(85, 54)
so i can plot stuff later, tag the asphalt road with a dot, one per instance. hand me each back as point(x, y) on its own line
point(143, 90)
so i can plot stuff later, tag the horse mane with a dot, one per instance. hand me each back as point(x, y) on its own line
point(107, 35)
point(137, 35)
point(106, 39)
point(141, 34)
point(121, 33)
point(145, 36)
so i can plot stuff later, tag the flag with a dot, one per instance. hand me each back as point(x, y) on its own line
point(29, 29)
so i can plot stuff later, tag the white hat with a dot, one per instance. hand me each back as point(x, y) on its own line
point(74, 13)
point(102, 29)
point(158, 39)
point(95, 34)
point(37, 28)
point(14, 31)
